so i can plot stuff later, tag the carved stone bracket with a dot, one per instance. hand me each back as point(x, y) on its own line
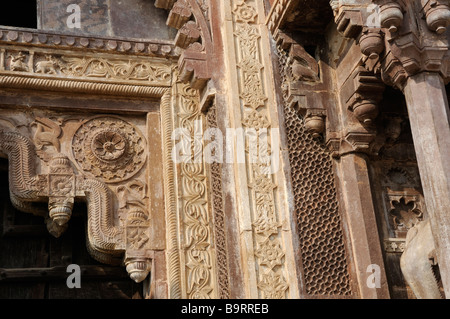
point(107, 240)
point(303, 88)
point(194, 38)
point(400, 38)
point(362, 92)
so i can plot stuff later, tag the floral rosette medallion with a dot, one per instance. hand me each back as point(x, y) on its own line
point(109, 149)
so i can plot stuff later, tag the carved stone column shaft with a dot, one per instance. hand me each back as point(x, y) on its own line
point(360, 218)
point(429, 116)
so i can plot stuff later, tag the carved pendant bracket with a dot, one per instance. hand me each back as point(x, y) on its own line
point(400, 38)
point(107, 240)
point(303, 82)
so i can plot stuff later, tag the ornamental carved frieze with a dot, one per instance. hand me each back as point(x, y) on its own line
point(106, 68)
point(59, 159)
point(50, 67)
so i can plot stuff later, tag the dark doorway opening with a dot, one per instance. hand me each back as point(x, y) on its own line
point(33, 264)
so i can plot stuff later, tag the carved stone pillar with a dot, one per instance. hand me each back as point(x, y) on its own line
point(265, 226)
point(359, 215)
point(429, 116)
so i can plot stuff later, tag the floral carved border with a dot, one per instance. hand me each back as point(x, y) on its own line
point(268, 244)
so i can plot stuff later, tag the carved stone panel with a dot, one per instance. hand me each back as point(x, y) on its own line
point(99, 159)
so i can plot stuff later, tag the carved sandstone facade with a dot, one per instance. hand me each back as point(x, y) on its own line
point(268, 149)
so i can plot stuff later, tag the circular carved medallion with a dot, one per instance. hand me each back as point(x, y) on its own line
point(109, 148)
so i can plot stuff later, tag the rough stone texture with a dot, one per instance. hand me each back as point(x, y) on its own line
point(137, 19)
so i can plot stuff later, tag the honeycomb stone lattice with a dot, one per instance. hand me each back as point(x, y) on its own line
point(316, 206)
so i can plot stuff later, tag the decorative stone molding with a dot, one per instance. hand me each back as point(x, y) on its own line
point(174, 275)
point(57, 41)
point(405, 211)
point(109, 149)
point(191, 252)
point(217, 205)
point(68, 65)
point(33, 67)
point(394, 245)
point(196, 226)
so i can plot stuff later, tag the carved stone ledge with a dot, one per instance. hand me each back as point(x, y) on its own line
point(60, 41)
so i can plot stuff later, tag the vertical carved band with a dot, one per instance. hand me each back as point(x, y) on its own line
point(173, 253)
point(196, 231)
point(215, 170)
point(266, 227)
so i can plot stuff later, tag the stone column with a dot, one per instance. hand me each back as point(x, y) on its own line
point(429, 117)
point(359, 215)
